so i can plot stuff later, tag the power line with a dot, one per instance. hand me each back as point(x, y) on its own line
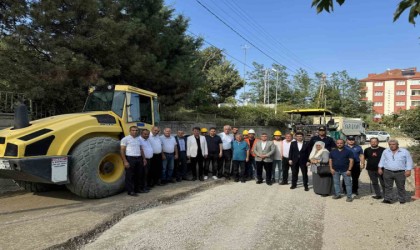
point(256, 37)
point(240, 35)
point(223, 51)
point(250, 20)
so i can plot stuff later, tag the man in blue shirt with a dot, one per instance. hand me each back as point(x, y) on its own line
point(240, 155)
point(359, 164)
point(395, 164)
point(341, 164)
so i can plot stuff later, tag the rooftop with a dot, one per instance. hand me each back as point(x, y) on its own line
point(393, 74)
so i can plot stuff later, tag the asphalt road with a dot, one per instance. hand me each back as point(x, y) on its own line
point(251, 216)
point(206, 215)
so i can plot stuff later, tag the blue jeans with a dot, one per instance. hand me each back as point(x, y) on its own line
point(277, 164)
point(347, 182)
point(250, 167)
point(168, 166)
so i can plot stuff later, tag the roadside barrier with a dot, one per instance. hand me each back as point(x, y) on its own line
point(417, 183)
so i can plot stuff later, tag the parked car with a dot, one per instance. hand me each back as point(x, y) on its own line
point(381, 135)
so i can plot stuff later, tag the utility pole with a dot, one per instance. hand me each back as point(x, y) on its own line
point(265, 84)
point(245, 47)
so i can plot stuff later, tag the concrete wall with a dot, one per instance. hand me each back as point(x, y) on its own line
point(188, 126)
point(6, 120)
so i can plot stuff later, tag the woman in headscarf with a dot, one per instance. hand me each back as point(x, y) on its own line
point(322, 183)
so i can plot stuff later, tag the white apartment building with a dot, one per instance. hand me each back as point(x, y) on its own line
point(393, 90)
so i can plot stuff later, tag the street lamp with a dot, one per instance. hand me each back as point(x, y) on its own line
point(277, 85)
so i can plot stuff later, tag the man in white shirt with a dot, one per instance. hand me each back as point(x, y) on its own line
point(131, 156)
point(285, 162)
point(147, 150)
point(197, 151)
point(169, 154)
point(227, 140)
point(156, 161)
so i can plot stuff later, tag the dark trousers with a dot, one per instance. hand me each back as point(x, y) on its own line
point(355, 174)
point(225, 161)
point(155, 169)
point(399, 178)
point(250, 167)
point(238, 170)
point(285, 165)
point(295, 173)
point(180, 169)
point(213, 159)
point(376, 178)
point(133, 174)
point(268, 167)
point(200, 160)
point(144, 173)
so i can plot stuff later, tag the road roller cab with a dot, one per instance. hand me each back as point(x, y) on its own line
point(78, 150)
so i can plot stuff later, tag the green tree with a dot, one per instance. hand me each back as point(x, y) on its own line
point(262, 76)
point(303, 94)
point(222, 79)
point(343, 94)
point(413, 5)
point(55, 49)
point(409, 122)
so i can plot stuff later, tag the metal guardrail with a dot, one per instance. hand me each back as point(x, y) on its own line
point(8, 101)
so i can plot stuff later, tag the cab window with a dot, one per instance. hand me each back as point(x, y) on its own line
point(139, 108)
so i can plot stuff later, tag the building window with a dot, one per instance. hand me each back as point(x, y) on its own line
point(400, 104)
point(378, 104)
point(379, 93)
point(415, 82)
point(415, 92)
point(415, 103)
point(400, 92)
point(400, 83)
point(377, 84)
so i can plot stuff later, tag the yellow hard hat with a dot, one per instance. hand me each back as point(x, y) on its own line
point(204, 130)
point(277, 132)
point(245, 132)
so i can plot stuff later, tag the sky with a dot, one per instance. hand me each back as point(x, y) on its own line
point(359, 36)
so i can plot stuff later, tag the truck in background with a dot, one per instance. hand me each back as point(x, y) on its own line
point(338, 127)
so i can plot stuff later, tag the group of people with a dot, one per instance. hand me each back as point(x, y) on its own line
point(151, 159)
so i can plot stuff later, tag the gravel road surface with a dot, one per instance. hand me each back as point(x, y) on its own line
point(251, 216)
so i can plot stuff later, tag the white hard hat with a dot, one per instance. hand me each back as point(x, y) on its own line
point(251, 131)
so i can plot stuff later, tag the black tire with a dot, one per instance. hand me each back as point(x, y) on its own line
point(37, 187)
point(96, 170)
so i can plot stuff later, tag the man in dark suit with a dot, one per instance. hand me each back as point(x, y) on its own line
point(298, 158)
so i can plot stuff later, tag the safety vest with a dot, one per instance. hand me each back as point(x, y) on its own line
point(251, 149)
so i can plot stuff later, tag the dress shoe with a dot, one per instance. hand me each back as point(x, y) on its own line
point(184, 178)
point(306, 189)
point(201, 179)
point(349, 199)
point(269, 183)
point(259, 182)
point(377, 197)
point(292, 187)
point(193, 179)
point(336, 197)
point(236, 180)
point(284, 183)
point(402, 202)
point(242, 181)
point(387, 202)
